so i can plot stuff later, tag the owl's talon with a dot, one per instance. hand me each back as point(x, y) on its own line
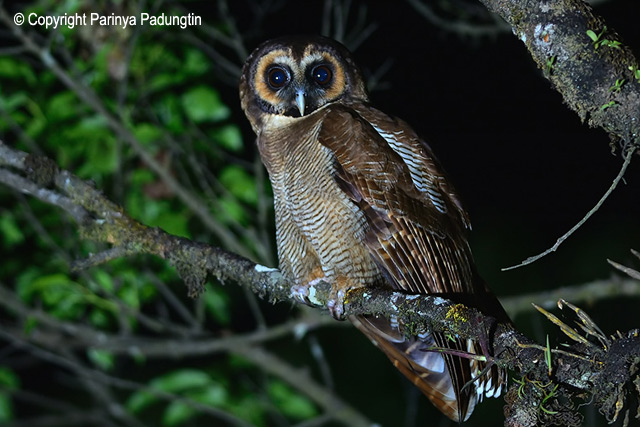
point(306, 293)
point(300, 293)
point(335, 305)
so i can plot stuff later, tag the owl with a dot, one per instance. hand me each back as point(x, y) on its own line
point(361, 201)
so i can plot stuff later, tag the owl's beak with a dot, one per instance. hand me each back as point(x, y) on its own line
point(300, 101)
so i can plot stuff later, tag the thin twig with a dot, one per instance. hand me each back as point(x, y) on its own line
point(458, 26)
point(623, 169)
point(586, 293)
point(48, 196)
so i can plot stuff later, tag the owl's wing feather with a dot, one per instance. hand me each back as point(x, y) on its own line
point(419, 242)
point(416, 237)
point(427, 370)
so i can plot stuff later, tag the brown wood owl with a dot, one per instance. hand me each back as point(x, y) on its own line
point(360, 201)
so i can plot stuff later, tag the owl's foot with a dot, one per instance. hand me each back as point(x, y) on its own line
point(307, 294)
point(336, 304)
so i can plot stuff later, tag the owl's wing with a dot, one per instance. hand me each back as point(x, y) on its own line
point(417, 238)
point(417, 225)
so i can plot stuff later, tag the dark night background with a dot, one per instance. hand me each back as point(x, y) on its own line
point(527, 169)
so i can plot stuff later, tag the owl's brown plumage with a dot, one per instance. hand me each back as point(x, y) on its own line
point(360, 201)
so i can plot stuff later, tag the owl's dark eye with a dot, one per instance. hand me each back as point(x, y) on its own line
point(322, 75)
point(277, 77)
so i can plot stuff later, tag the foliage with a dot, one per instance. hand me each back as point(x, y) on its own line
point(598, 39)
point(160, 90)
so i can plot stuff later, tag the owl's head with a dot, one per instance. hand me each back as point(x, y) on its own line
point(295, 76)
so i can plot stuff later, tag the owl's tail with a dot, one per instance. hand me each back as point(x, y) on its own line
point(441, 376)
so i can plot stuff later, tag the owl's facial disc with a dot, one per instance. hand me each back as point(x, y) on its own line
point(295, 88)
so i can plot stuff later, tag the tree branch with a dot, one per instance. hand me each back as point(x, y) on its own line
point(598, 79)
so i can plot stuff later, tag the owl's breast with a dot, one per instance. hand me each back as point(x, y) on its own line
point(320, 231)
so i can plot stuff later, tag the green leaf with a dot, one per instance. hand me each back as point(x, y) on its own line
point(101, 358)
point(181, 380)
point(12, 102)
point(231, 209)
point(176, 223)
point(607, 105)
point(228, 137)
point(104, 280)
point(6, 407)
point(10, 68)
point(99, 319)
point(215, 394)
point(24, 287)
point(291, 403)
point(203, 104)
point(10, 230)
point(164, 81)
point(146, 290)
point(250, 409)
point(157, 213)
point(185, 380)
point(195, 63)
point(148, 133)
point(87, 128)
point(593, 36)
point(140, 400)
point(8, 379)
point(37, 122)
point(169, 112)
point(239, 183)
point(89, 138)
point(102, 158)
point(612, 43)
point(177, 413)
point(29, 324)
point(140, 177)
point(216, 302)
point(129, 295)
point(52, 288)
point(61, 106)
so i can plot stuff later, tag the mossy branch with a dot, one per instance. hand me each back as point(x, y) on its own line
point(584, 59)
